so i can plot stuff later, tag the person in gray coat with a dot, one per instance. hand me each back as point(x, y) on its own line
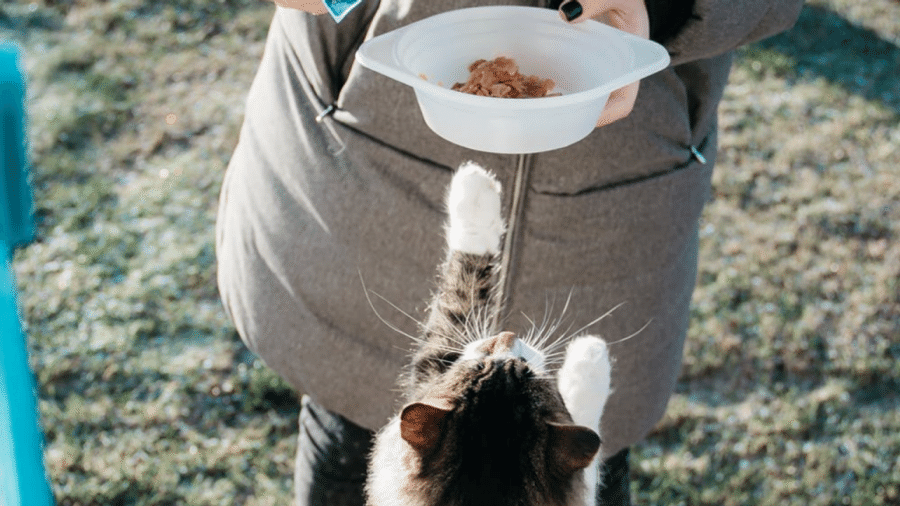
point(336, 180)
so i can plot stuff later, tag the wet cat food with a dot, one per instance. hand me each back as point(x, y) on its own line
point(500, 78)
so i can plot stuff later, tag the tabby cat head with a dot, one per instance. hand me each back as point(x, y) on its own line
point(492, 430)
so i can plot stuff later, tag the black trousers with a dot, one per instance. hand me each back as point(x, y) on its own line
point(332, 454)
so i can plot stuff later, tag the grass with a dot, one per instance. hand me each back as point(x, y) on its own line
point(789, 388)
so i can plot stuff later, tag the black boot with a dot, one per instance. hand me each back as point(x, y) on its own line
point(331, 458)
point(616, 489)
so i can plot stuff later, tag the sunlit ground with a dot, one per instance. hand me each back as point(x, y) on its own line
point(147, 397)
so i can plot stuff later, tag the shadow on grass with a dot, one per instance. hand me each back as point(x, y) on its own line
point(191, 15)
point(30, 19)
point(825, 44)
point(878, 392)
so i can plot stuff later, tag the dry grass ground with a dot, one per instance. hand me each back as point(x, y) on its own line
point(789, 393)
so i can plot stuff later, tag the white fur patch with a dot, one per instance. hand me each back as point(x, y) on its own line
point(473, 204)
point(389, 468)
point(584, 383)
point(520, 349)
point(471, 352)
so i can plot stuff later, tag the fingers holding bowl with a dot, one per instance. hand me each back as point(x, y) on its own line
point(626, 15)
point(619, 104)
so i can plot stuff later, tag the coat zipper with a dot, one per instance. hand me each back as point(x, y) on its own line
point(516, 213)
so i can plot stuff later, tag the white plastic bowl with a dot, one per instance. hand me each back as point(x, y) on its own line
point(587, 61)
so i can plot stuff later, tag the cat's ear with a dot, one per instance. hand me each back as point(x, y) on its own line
point(573, 446)
point(421, 423)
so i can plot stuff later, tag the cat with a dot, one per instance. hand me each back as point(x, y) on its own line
point(485, 423)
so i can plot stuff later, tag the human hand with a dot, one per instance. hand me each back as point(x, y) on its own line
point(626, 15)
point(310, 6)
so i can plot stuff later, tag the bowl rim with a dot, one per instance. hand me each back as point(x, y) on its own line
point(380, 54)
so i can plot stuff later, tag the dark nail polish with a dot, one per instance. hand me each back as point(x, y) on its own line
point(554, 4)
point(572, 10)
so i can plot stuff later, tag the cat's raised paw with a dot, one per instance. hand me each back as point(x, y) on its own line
point(584, 379)
point(473, 204)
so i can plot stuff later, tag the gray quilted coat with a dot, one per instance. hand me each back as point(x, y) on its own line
point(310, 211)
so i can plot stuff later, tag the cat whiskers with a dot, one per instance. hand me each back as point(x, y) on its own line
point(476, 326)
point(632, 335)
point(458, 339)
point(539, 335)
point(570, 335)
point(554, 353)
point(390, 325)
point(454, 341)
point(554, 359)
point(478, 323)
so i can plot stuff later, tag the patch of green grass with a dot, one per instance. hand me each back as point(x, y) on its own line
point(786, 395)
point(147, 396)
point(765, 63)
point(789, 389)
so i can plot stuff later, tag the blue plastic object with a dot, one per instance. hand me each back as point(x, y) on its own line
point(340, 8)
point(16, 224)
point(23, 480)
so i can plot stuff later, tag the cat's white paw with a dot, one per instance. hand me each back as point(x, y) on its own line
point(584, 383)
point(473, 204)
point(584, 380)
